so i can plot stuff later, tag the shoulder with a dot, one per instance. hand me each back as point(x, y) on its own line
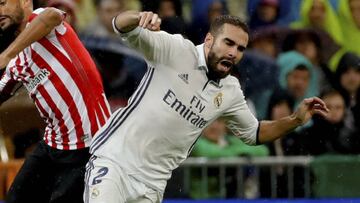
point(231, 82)
point(38, 11)
point(183, 48)
point(35, 13)
point(179, 41)
point(189, 46)
point(232, 85)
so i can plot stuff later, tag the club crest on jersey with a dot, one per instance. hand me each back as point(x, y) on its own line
point(218, 100)
point(38, 78)
point(94, 193)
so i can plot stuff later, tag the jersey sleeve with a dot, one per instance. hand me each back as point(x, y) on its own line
point(241, 121)
point(61, 29)
point(158, 47)
point(7, 82)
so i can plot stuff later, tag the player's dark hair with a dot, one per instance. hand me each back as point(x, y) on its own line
point(216, 26)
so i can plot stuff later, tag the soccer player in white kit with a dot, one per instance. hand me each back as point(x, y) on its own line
point(185, 88)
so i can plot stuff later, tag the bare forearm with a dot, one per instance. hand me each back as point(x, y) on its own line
point(41, 26)
point(272, 130)
point(127, 21)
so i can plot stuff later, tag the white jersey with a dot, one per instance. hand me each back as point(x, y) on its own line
point(173, 104)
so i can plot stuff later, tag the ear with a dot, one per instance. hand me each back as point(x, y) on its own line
point(209, 40)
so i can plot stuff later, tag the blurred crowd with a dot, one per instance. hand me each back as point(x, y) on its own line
point(297, 49)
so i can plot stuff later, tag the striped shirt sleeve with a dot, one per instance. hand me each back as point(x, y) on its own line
point(7, 82)
point(61, 29)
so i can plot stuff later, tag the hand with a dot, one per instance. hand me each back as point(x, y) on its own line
point(150, 21)
point(308, 107)
point(4, 60)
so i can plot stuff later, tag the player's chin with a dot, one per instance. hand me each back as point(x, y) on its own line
point(222, 73)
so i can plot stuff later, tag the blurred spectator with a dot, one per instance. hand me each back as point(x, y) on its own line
point(263, 13)
point(170, 12)
point(215, 143)
point(267, 40)
point(330, 134)
point(258, 75)
point(281, 104)
point(120, 78)
point(203, 12)
point(264, 43)
point(69, 6)
point(102, 25)
point(349, 15)
point(309, 44)
point(348, 78)
point(319, 14)
point(297, 75)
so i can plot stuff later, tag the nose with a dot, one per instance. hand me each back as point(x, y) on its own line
point(232, 52)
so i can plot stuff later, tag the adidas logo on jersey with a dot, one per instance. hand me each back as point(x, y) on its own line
point(184, 77)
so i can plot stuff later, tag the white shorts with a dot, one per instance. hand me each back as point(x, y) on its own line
point(105, 182)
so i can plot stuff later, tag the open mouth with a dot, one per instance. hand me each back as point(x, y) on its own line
point(2, 18)
point(3, 21)
point(226, 64)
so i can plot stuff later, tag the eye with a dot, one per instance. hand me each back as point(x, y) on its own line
point(241, 48)
point(229, 42)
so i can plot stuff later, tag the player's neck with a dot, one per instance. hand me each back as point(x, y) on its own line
point(212, 75)
point(27, 14)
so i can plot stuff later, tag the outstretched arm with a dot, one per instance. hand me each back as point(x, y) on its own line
point(129, 20)
point(41, 26)
point(141, 31)
point(271, 130)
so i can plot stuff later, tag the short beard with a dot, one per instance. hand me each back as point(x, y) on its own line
point(212, 63)
point(8, 36)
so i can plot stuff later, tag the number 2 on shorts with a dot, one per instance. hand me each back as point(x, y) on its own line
point(101, 173)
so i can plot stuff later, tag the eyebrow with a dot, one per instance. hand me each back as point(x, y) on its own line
point(240, 47)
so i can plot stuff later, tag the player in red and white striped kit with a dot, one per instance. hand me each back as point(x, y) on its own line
point(62, 79)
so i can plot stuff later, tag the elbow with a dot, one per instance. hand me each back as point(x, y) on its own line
point(53, 16)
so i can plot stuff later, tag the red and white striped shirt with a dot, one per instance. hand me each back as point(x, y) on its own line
point(65, 85)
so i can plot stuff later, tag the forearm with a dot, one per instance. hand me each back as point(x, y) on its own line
point(272, 130)
point(127, 21)
point(41, 26)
